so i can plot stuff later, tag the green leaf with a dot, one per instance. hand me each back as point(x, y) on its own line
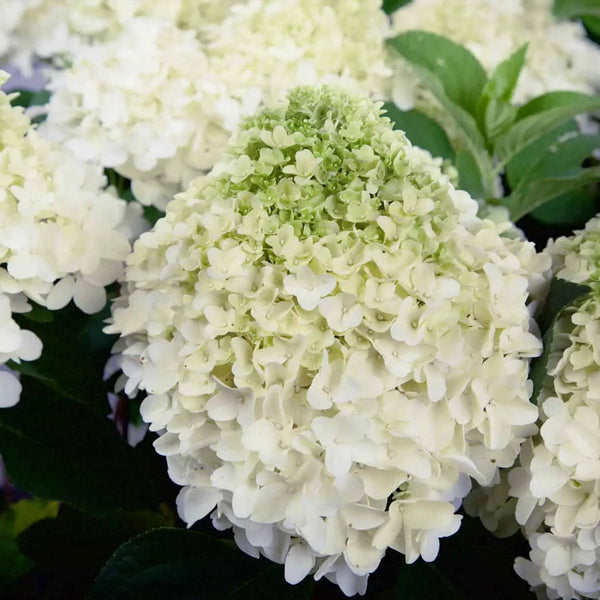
point(390, 6)
point(59, 449)
point(568, 9)
point(437, 76)
point(551, 100)
point(573, 208)
point(495, 113)
point(461, 76)
point(561, 295)
point(27, 98)
point(592, 24)
point(565, 157)
point(68, 552)
point(469, 176)
point(503, 80)
point(541, 116)
point(121, 184)
point(16, 519)
point(522, 164)
point(69, 332)
point(23, 514)
point(536, 193)
point(498, 116)
point(183, 564)
point(420, 130)
point(13, 565)
point(152, 214)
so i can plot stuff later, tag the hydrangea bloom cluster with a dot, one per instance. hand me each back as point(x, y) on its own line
point(62, 236)
point(559, 57)
point(274, 45)
point(557, 485)
point(144, 104)
point(51, 29)
point(158, 103)
point(332, 342)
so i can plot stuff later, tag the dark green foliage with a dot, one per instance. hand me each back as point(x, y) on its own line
point(390, 6)
point(542, 168)
point(179, 564)
point(60, 449)
point(421, 130)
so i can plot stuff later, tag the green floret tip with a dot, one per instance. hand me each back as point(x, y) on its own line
point(325, 161)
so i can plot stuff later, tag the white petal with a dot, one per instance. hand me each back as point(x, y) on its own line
point(223, 406)
point(243, 544)
point(558, 560)
point(89, 298)
point(10, 389)
point(154, 406)
point(436, 383)
point(60, 295)
point(24, 266)
point(167, 444)
point(298, 563)
point(31, 346)
point(428, 515)
point(244, 501)
point(194, 504)
point(547, 480)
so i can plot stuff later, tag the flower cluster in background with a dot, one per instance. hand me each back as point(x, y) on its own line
point(552, 494)
point(559, 55)
point(557, 482)
point(55, 30)
point(325, 245)
point(62, 236)
point(158, 103)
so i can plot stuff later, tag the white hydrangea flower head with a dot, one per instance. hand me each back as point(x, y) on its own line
point(559, 56)
point(557, 482)
point(158, 104)
point(62, 236)
point(274, 45)
point(332, 342)
point(143, 104)
point(51, 29)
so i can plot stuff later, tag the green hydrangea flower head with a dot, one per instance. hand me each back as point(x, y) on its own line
point(331, 340)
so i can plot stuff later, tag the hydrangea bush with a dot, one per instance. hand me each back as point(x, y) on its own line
point(331, 341)
point(338, 351)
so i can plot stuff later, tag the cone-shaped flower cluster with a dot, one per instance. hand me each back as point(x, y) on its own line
point(62, 236)
point(557, 485)
point(332, 342)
